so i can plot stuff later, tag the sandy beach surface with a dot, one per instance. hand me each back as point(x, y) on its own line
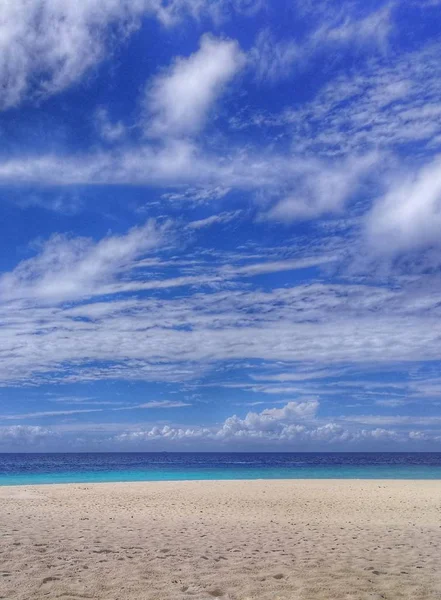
point(271, 540)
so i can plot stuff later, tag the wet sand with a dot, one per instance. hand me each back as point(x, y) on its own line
point(269, 540)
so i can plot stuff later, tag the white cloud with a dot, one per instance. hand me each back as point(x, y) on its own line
point(158, 404)
point(272, 424)
point(197, 195)
point(179, 99)
point(48, 45)
point(324, 192)
point(171, 11)
point(48, 413)
point(373, 28)
point(278, 390)
point(276, 266)
point(24, 435)
point(408, 216)
point(179, 162)
point(298, 188)
point(393, 403)
point(273, 59)
point(225, 217)
point(73, 267)
point(165, 338)
point(301, 376)
point(69, 268)
point(109, 131)
point(84, 400)
point(295, 423)
point(396, 420)
point(383, 105)
point(164, 404)
point(270, 419)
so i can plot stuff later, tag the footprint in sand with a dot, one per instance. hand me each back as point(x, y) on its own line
point(49, 579)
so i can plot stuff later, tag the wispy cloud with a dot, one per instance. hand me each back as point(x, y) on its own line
point(148, 338)
point(395, 420)
point(68, 268)
point(108, 130)
point(85, 401)
point(47, 46)
point(386, 104)
point(392, 403)
point(274, 59)
point(343, 28)
point(48, 413)
point(225, 217)
point(153, 404)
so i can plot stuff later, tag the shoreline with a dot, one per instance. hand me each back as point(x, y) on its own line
point(49, 484)
point(302, 480)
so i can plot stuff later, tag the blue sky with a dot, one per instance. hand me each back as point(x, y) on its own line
point(220, 225)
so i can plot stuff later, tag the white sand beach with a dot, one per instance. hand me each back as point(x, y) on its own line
point(269, 540)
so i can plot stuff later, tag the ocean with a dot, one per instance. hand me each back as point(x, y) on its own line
point(25, 469)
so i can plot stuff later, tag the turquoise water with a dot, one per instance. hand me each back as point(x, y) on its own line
point(25, 469)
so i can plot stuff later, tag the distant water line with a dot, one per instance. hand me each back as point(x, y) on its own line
point(30, 469)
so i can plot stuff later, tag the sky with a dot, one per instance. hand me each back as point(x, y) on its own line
point(220, 225)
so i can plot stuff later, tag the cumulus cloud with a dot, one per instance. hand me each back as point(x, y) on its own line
point(270, 423)
point(24, 435)
point(179, 99)
point(296, 423)
point(271, 419)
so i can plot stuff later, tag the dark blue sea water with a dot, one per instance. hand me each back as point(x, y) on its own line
point(20, 469)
